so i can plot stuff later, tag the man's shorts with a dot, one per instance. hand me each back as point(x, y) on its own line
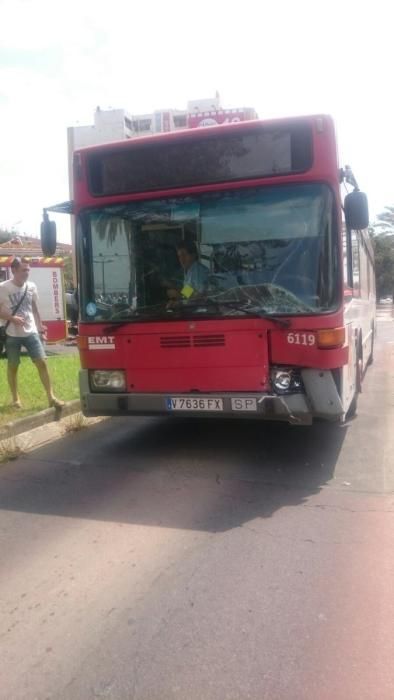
point(32, 343)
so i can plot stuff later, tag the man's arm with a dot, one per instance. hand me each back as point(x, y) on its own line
point(9, 317)
point(37, 317)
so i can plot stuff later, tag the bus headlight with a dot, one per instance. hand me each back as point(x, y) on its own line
point(281, 380)
point(107, 380)
point(286, 380)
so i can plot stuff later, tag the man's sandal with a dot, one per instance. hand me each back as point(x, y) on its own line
point(56, 403)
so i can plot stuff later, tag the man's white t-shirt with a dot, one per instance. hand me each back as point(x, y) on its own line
point(10, 295)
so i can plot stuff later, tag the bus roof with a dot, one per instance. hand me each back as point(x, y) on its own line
point(321, 121)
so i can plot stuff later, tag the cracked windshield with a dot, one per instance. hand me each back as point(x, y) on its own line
point(260, 251)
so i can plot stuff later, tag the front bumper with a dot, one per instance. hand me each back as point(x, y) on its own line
point(321, 399)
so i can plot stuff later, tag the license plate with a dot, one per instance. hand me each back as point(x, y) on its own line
point(178, 403)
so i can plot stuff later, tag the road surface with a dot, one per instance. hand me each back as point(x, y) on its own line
point(156, 560)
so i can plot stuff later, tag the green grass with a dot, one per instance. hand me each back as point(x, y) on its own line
point(63, 370)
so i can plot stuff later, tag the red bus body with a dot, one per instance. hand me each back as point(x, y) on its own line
point(226, 366)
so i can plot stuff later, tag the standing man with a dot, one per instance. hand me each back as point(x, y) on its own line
point(18, 307)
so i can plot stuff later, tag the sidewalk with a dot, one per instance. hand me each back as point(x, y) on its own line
point(46, 425)
point(63, 364)
point(49, 415)
point(14, 446)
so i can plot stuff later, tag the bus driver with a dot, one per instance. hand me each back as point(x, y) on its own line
point(195, 273)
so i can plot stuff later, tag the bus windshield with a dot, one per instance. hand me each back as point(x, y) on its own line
point(267, 250)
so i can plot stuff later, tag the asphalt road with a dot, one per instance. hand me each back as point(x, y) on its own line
point(155, 560)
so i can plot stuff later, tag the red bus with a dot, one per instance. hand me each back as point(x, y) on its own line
point(214, 278)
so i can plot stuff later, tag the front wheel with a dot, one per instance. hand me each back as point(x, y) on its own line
point(370, 358)
point(352, 410)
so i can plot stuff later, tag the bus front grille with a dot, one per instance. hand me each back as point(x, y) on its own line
point(208, 341)
point(197, 341)
point(175, 341)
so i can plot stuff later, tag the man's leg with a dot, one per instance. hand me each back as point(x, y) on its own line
point(46, 381)
point(12, 374)
point(36, 351)
point(13, 349)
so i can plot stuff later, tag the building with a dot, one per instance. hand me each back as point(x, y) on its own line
point(119, 124)
point(22, 245)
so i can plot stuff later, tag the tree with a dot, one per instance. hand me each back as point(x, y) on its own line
point(109, 229)
point(5, 235)
point(385, 222)
point(68, 272)
point(384, 262)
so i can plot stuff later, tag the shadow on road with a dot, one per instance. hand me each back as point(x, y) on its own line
point(183, 474)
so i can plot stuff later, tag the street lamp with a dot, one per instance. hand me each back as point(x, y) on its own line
point(103, 261)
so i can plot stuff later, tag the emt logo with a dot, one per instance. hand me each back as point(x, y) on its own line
point(101, 342)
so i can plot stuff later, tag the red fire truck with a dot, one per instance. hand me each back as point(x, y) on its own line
point(214, 278)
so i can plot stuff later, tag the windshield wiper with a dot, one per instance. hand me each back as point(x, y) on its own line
point(144, 313)
point(132, 315)
point(244, 307)
point(182, 307)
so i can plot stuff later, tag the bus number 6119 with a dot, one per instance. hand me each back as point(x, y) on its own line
point(301, 338)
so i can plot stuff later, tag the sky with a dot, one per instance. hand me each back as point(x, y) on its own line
point(59, 60)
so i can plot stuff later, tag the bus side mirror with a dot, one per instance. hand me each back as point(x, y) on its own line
point(356, 210)
point(48, 236)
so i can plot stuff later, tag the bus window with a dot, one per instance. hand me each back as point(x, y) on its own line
point(356, 262)
point(346, 280)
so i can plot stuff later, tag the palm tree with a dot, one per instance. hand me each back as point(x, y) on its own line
point(385, 223)
point(109, 228)
point(383, 240)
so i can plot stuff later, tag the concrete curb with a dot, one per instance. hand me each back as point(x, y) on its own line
point(49, 415)
point(46, 434)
